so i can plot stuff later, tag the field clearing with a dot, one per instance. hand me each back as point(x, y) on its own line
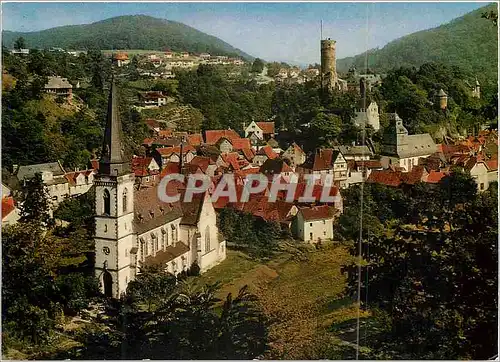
point(302, 295)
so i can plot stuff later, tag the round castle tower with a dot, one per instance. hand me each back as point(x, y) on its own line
point(328, 63)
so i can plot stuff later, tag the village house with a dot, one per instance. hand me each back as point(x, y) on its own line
point(53, 176)
point(295, 155)
point(10, 212)
point(483, 172)
point(262, 130)
point(121, 59)
point(263, 154)
point(278, 166)
point(152, 99)
point(326, 162)
point(164, 155)
point(354, 152)
point(212, 136)
point(59, 87)
point(315, 224)
point(403, 150)
point(359, 171)
point(146, 170)
point(134, 228)
point(80, 182)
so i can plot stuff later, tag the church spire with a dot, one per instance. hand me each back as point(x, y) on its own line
point(113, 161)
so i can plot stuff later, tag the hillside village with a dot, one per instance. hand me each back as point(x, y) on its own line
point(415, 149)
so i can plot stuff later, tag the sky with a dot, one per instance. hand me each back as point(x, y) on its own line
point(286, 31)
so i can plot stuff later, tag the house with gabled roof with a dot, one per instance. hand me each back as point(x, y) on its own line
point(262, 130)
point(324, 162)
point(10, 212)
point(295, 155)
point(315, 224)
point(263, 154)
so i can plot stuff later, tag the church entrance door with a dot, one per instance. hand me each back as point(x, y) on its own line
point(108, 284)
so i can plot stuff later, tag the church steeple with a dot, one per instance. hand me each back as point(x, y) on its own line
point(113, 161)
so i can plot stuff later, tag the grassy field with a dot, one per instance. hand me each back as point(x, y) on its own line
point(302, 294)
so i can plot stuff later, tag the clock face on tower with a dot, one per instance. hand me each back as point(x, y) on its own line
point(106, 250)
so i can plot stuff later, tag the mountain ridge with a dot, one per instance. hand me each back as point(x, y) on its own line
point(457, 42)
point(126, 32)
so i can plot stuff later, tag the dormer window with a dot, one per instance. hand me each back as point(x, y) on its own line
point(162, 210)
point(152, 214)
point(140, 217)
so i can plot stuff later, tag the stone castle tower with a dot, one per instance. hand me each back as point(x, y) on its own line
point(114, 201)
point(443, 99)
point(328, 65)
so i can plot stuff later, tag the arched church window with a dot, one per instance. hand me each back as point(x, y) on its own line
point(125, 200)
point(107, 202)
point(207, 239)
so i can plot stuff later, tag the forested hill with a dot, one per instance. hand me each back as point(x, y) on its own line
point(469, 42)
point(126, 32)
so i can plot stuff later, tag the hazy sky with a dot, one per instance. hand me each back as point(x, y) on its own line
point(272, 31)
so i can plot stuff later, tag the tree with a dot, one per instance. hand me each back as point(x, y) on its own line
point(430, 272)
point(150, 287)
point(326, 127)
point(20, 43)
point(35, 204)
point(257, 66)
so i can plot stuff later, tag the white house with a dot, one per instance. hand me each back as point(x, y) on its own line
point(315, 223)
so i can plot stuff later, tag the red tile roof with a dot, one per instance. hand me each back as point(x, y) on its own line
point(248, 153)
point(435, 177)
point(240, 143)
point(170, 168)
point(267, 151)
point(212, 136)
point(8, 205)
point(195, 139)
point(201, 162)
point(317, 212)
point(385, 177)
point(140, 166)
point(266, 127)
point(492, 164)
point(166, 151)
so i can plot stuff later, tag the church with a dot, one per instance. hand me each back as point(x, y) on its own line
point(135, 229)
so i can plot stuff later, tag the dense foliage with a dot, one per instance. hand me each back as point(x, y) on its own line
point(431, 261)
point(186, 323)
point(126, 32)
point(224, 103)
point(469, 42)
point(248, 231)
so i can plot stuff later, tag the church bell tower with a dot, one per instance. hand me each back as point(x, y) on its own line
point(114, 201)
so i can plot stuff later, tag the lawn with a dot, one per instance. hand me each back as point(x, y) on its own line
point(301, 293)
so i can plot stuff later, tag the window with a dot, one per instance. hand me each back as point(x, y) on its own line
point(324, 222)
point(207, 239)
point(481, 186)
point(147, 251)
point(324, 233)
point(310, 236)
point(125, 200)
point(310, 224)
point(107, 202)
point(163, 239)
point(105, 228)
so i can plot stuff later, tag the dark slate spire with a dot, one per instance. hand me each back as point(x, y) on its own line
point(113, 161)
